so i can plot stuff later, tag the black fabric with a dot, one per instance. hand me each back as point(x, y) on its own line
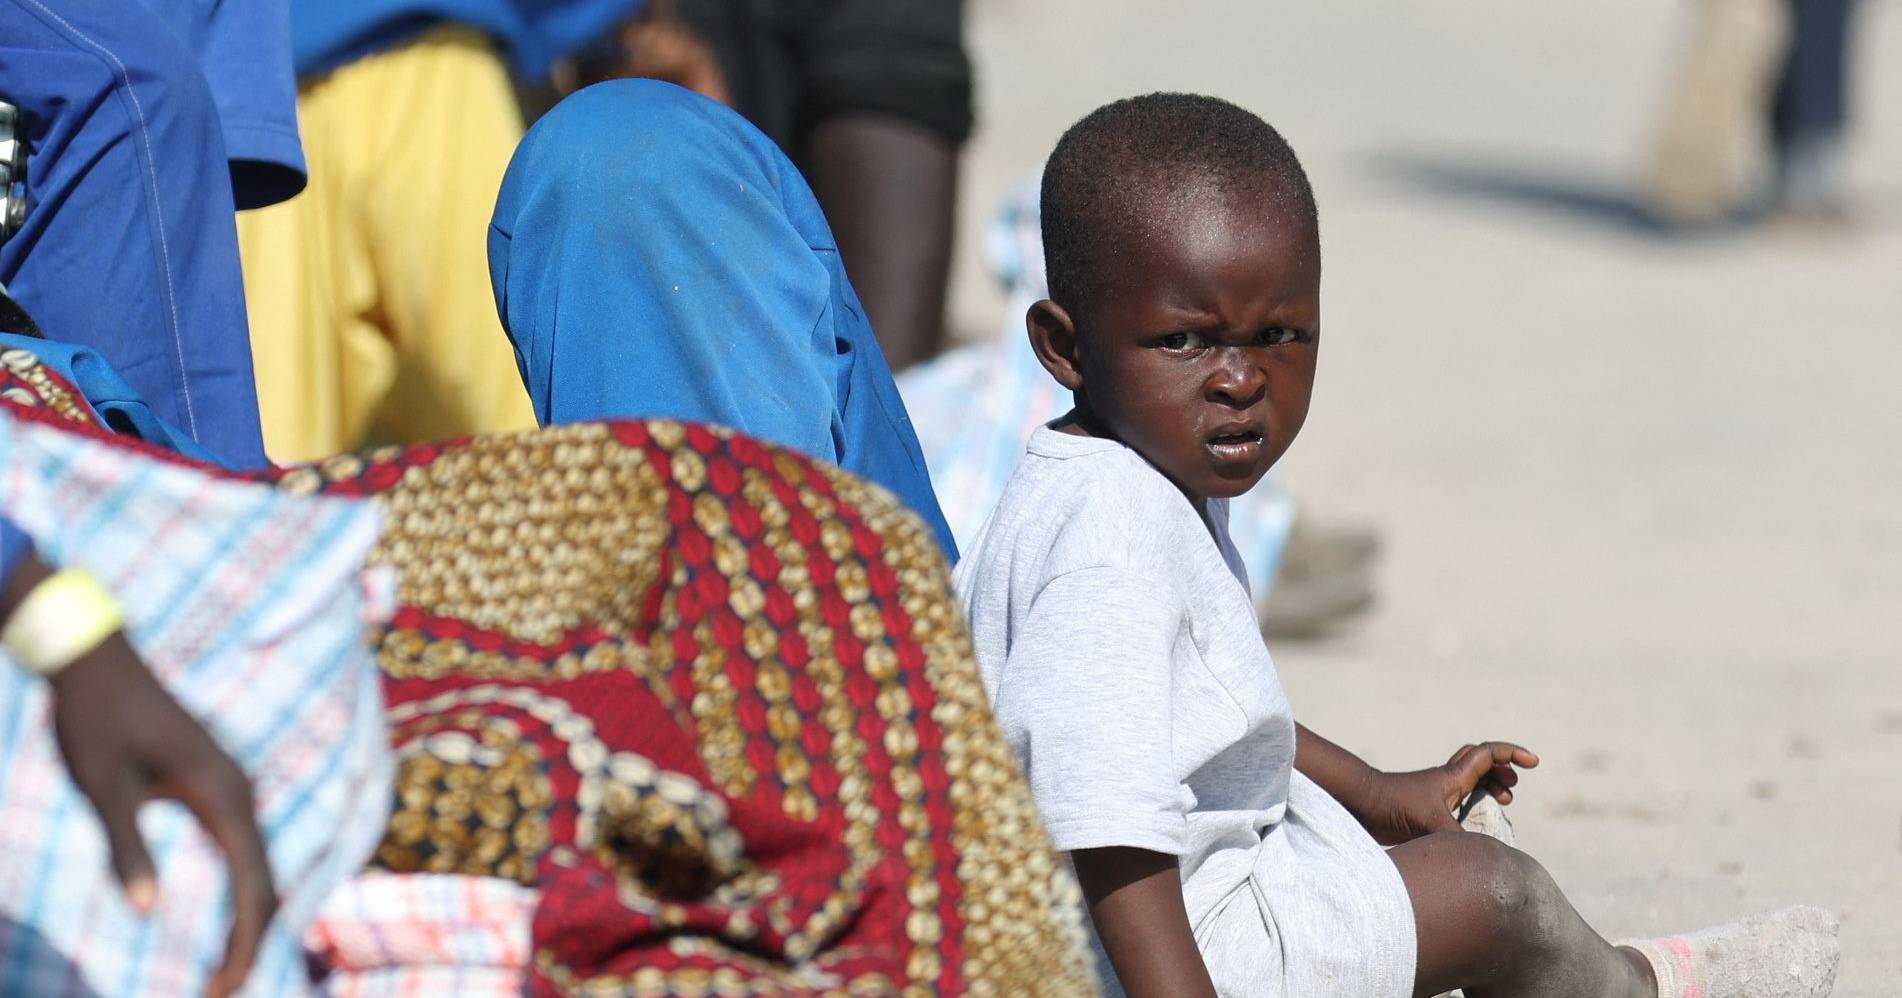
point(793, 63)
point(13, 318)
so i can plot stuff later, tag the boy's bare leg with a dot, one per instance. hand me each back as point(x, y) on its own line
point(1490, 920)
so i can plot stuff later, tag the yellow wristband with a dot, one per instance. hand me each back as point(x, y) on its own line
point(64, 617)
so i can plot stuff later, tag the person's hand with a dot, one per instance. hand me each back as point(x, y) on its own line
point(1400, 807)
point(126, 741)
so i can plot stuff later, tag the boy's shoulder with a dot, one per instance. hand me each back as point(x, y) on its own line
point(1083, 501)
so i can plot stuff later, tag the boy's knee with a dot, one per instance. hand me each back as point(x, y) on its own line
point(1520, 897)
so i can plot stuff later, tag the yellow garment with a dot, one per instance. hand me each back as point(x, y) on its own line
point(371, 312)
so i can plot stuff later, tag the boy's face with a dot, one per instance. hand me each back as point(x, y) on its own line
point(1200, 355)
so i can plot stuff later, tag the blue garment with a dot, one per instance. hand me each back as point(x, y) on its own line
point(244, 48)
point(533, 33)
point(14, 544)
point(112, 401)
point(126, 248)
point(655, 255)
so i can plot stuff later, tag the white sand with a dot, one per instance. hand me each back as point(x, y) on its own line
point(1643, 497)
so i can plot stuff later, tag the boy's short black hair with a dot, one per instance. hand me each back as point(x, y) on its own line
point(1108, 167)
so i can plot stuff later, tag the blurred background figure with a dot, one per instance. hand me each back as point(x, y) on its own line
point(374, 315)
point(1763, 84)
point(976, 407)
point(1811, 113)
point(872, 100)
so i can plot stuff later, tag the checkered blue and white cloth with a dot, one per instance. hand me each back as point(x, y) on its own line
point(249, 605)
point(423, 935)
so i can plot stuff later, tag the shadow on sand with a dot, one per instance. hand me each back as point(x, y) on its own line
point(1593, 200)
point(1526, 188)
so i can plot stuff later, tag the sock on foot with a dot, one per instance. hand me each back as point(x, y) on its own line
point(1790, 953)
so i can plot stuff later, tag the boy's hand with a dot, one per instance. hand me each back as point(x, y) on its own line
point(126, 741)
point(1400, 807)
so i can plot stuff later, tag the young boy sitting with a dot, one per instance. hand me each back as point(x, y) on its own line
point(1221, 847)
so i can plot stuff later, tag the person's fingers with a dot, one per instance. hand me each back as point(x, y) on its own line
point(1470, 766)
point(221, 798)
point(1498, 783)
point(117, 800)
point(1497, 754)
point(1504, 753)
point(1498, 759)
point(252, 904)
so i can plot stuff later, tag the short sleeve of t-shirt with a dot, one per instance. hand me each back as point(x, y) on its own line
point(1086, 701)
point(244, 49)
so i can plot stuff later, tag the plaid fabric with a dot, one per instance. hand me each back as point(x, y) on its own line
point(247, 605)
point(393, 935)
point(976, 407)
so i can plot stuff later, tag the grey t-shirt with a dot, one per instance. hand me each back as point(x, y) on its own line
point(1121, 652)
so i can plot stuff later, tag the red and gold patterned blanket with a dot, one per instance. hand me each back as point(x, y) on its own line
point(711, 698)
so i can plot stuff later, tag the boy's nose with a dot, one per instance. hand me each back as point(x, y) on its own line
point(1235, 381)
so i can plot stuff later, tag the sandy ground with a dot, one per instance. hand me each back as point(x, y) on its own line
point(1643, 497)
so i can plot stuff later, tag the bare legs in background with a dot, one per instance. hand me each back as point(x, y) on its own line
point(868, 170)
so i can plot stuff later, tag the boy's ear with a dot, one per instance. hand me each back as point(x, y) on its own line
point(1053, 336)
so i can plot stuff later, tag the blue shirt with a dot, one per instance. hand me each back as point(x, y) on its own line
point(129, 247)
point(244, 47)
point(533, 33)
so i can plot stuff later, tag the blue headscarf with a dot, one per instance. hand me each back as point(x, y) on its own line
point(654, 255)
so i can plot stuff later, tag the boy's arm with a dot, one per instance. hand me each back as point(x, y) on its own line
point(1332, 768)
point(1135, 900)
point(1399, 807)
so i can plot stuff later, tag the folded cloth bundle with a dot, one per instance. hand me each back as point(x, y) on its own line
point(247, 603)
point(394, 935)
point(711, 702)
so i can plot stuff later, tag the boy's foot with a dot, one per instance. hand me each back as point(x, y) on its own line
point(1790, 953)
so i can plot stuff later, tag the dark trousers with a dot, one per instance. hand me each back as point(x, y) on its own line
point(1810, 101)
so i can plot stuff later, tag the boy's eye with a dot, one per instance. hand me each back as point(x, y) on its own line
point(1181, 341)
point(1275, 336)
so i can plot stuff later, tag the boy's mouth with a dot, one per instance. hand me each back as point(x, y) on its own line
point(1235, 445)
